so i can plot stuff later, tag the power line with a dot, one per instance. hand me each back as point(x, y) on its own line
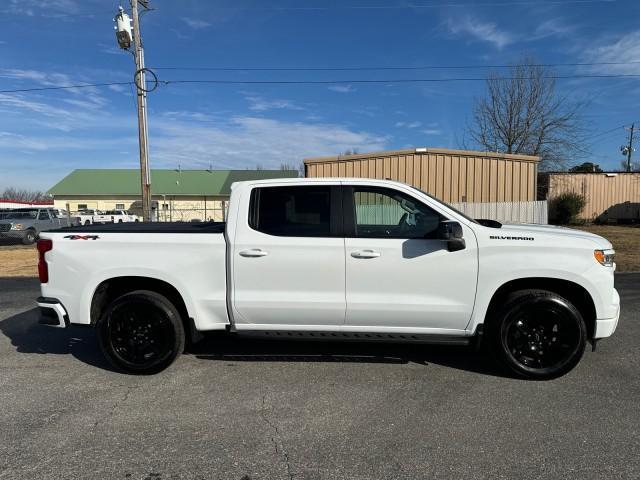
point(369, 68)
point(592, 137)
point(387, 81)
point(417, 6)
point(66, 87)
point(318, 82)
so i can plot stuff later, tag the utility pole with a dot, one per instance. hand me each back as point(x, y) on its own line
point(127, 37)
point(630, 147)
point(143, 136)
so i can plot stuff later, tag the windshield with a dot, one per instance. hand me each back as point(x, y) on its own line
point(24, 214)
point(467, 217)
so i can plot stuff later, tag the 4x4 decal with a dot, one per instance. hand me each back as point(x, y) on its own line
point(82, 237)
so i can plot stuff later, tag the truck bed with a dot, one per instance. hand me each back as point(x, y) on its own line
point(148, 227)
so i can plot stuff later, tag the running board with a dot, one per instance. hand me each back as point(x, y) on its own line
point(356, 337)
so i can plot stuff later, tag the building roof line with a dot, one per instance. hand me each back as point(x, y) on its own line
point(422, 151)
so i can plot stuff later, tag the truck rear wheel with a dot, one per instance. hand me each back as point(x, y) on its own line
point(141, 332)
point(537, 334)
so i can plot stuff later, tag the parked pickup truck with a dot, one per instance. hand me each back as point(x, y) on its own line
point(90, 216)
point(86, 216)
point(333, 259)
point(115, 216)
point(25, 224)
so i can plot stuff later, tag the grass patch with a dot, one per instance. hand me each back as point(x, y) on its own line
point(625, 240)
point(18, 261)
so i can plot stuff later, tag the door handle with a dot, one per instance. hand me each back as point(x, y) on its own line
point(252, 253)
point(365, 254)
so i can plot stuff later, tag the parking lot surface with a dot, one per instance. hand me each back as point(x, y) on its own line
point(240, 409)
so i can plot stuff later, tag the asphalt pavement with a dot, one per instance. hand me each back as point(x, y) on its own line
point(241, 409)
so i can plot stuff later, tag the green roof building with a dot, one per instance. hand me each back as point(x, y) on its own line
point(177, 195)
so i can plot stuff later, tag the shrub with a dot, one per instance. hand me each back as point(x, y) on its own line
point(565, 208)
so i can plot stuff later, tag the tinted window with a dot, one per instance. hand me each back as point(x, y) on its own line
point(43, 215)
point(386, 213)
point(292, 211)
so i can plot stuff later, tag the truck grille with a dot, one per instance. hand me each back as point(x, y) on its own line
point(5, 227)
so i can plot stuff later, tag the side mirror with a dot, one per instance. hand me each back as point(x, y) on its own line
point(451, 231)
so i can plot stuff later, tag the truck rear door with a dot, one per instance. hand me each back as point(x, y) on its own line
point(288, 263)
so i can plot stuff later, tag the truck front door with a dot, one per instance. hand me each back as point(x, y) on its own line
point(398, 274)
point(287, 260)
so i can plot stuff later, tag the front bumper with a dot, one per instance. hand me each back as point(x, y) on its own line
point(52, 313)
point(19, 234)
point(606, 326)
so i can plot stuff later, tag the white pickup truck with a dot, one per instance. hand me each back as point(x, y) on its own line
point(90, 216)
point(332, 259)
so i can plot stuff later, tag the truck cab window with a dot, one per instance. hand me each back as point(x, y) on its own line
point(292, 211)
point(386, 213)
point(43, 215)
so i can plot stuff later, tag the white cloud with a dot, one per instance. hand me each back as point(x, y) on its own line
point(245, 140)
point(623, 49)
point(195, 23)
point(342, 88)
point(50, 8)
point(408, 124)
point(554, 27)
point(260, 104)
point(117, 88)
point(478, 30)
point(432, 131)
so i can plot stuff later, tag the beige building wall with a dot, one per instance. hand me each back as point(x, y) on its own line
point(168, 208)
point(608, 195)
point(450, 175)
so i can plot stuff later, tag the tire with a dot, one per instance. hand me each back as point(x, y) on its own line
point(30, 237)
point(120, 221)
point(141, 332)
point(537, 335)
point(87, 222)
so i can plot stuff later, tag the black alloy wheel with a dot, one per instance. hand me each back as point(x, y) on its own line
point(141, 332)
point(540, 335)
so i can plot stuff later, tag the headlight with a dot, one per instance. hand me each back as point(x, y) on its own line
point(17, 226)
point(605, 257)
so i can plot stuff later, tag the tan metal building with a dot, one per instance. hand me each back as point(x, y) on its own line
point(609, 196)
point(450, 175)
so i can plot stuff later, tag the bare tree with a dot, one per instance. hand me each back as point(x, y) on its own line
point(523, 113)
point(291, 166)
point(351, 151)
point(635, 166)
point(23, 195)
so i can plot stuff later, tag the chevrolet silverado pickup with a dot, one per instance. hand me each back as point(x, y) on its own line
point(334, 259)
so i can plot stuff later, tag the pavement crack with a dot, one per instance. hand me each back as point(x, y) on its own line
point(276, 439)
point(116, 404)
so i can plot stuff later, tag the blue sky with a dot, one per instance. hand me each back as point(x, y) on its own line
point(44, 135)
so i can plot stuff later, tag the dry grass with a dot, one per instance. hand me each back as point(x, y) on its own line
point(21, 261)
point(18, 261)
point(625, 240)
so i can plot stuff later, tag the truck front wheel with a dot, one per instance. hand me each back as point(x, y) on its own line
point(30, 237)
point(537, 334)
point(141, 332)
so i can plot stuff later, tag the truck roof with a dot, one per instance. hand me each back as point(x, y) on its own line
point(274, 181)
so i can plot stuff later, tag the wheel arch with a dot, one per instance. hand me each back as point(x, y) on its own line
point(112, 288)
point(573, 292)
